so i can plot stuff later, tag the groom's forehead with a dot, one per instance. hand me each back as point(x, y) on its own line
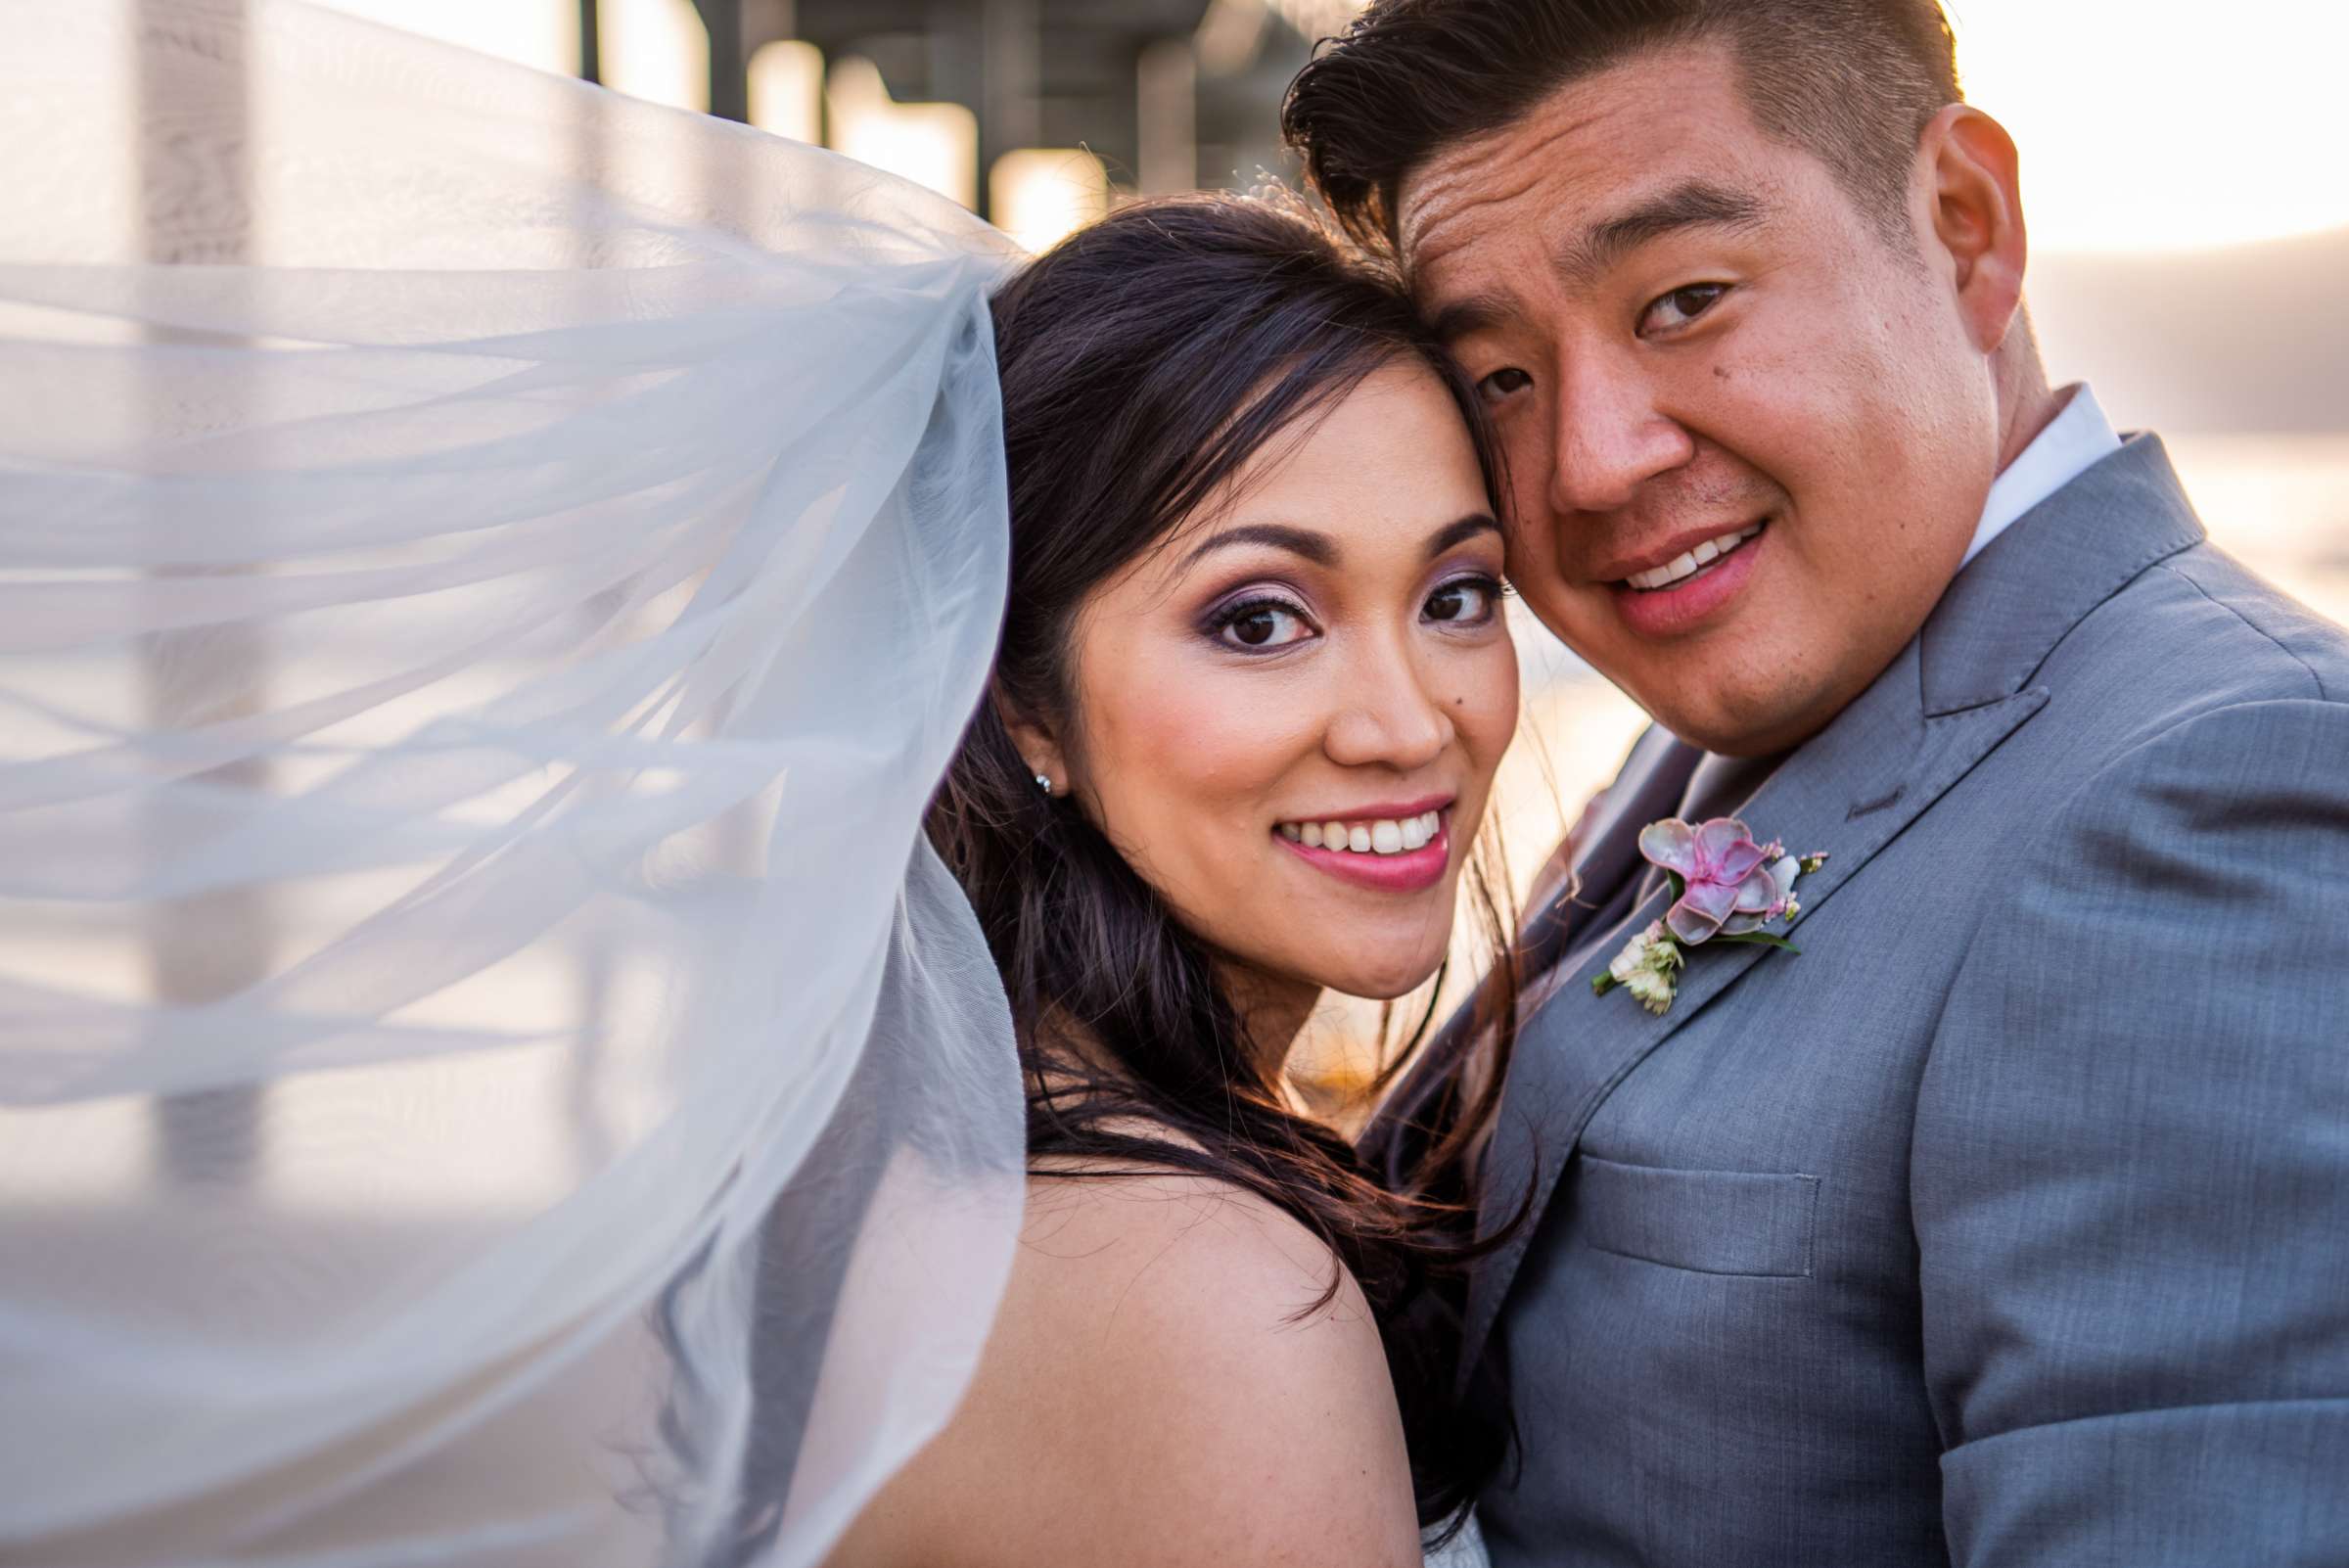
point(1589, 148)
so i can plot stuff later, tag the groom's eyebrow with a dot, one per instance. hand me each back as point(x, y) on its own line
point(1472, 313)
point(1690, 205)
point(1584, 259)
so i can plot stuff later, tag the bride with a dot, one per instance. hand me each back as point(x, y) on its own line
point(1253, 687)
point(594, 702)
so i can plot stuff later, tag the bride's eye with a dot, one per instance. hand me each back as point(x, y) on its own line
point(1681, 306)
point(1465, 601)
point(1258, 626)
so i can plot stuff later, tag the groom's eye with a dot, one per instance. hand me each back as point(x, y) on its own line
point(1680, 306)
point(1501, 383)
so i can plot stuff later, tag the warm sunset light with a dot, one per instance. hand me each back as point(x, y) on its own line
point(2164, 124)
point(787, 89)
point(935, 144)
point(657, 50)
point(1039, 195)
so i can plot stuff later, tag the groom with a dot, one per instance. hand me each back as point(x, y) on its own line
point(2008, 1222)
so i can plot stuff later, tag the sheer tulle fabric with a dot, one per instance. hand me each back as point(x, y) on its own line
point(491, 573)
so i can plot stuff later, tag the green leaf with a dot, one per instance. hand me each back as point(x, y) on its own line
point(1760, 939)
point(1680, 885)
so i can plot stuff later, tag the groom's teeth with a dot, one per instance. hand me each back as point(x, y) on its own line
point(1384, 836)
point(1690, 562)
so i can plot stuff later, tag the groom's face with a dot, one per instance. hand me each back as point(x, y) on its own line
point(1748, 434)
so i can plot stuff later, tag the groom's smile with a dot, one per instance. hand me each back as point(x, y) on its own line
point(1750, 416)
point(1677, 585)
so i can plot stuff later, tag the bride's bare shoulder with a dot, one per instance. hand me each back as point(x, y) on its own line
point(1145, 1255)
point(1166, 1385)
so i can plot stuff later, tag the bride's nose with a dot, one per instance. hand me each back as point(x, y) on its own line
point(1388, 717)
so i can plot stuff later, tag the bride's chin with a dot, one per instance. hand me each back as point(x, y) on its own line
point(1377, 980)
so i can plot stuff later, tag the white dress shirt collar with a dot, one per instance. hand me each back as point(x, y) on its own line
point(2078, 437)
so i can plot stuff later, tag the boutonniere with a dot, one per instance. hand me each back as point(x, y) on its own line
point(1725, 888)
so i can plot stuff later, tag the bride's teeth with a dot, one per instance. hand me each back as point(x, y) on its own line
point(1385, 836)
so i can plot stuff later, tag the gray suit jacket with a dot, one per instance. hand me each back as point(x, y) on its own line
point(2007, 1224)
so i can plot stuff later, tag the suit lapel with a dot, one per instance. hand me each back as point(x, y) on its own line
point(1847, 794)
point(1952, 696)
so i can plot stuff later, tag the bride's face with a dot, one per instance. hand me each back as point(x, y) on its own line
point(1289, 715)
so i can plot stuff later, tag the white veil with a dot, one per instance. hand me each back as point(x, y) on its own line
point(491, 573)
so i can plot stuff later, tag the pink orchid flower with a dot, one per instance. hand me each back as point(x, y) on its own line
point(1732, 885)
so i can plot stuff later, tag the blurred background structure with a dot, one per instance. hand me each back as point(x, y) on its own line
point(2182, 174)
point(1036, 114)
point(2182, 171)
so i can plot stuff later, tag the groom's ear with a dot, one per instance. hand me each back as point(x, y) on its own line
point(1978, 217)
point(1035, 740)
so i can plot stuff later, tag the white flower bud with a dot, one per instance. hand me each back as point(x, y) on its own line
point(1645, 966)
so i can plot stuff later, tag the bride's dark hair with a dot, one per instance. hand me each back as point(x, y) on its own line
point(1144, 361)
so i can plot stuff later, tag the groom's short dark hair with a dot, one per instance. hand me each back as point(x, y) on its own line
point(1854, 82)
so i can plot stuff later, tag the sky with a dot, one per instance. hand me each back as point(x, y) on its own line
point(2144, 125)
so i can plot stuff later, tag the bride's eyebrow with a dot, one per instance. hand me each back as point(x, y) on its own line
point(1321, 549)
point(1318, 548)
point(1460, 532)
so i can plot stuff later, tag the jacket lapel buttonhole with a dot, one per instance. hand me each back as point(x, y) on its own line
point(1871, 807)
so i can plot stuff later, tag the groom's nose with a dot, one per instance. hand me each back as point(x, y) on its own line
point(1608, 434)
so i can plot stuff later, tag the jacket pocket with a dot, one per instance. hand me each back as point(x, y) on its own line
point(1711, 1221)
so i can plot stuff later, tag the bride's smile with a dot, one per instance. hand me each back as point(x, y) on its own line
point(1392, 849)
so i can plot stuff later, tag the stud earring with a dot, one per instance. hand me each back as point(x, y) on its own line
point(1044, 781)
